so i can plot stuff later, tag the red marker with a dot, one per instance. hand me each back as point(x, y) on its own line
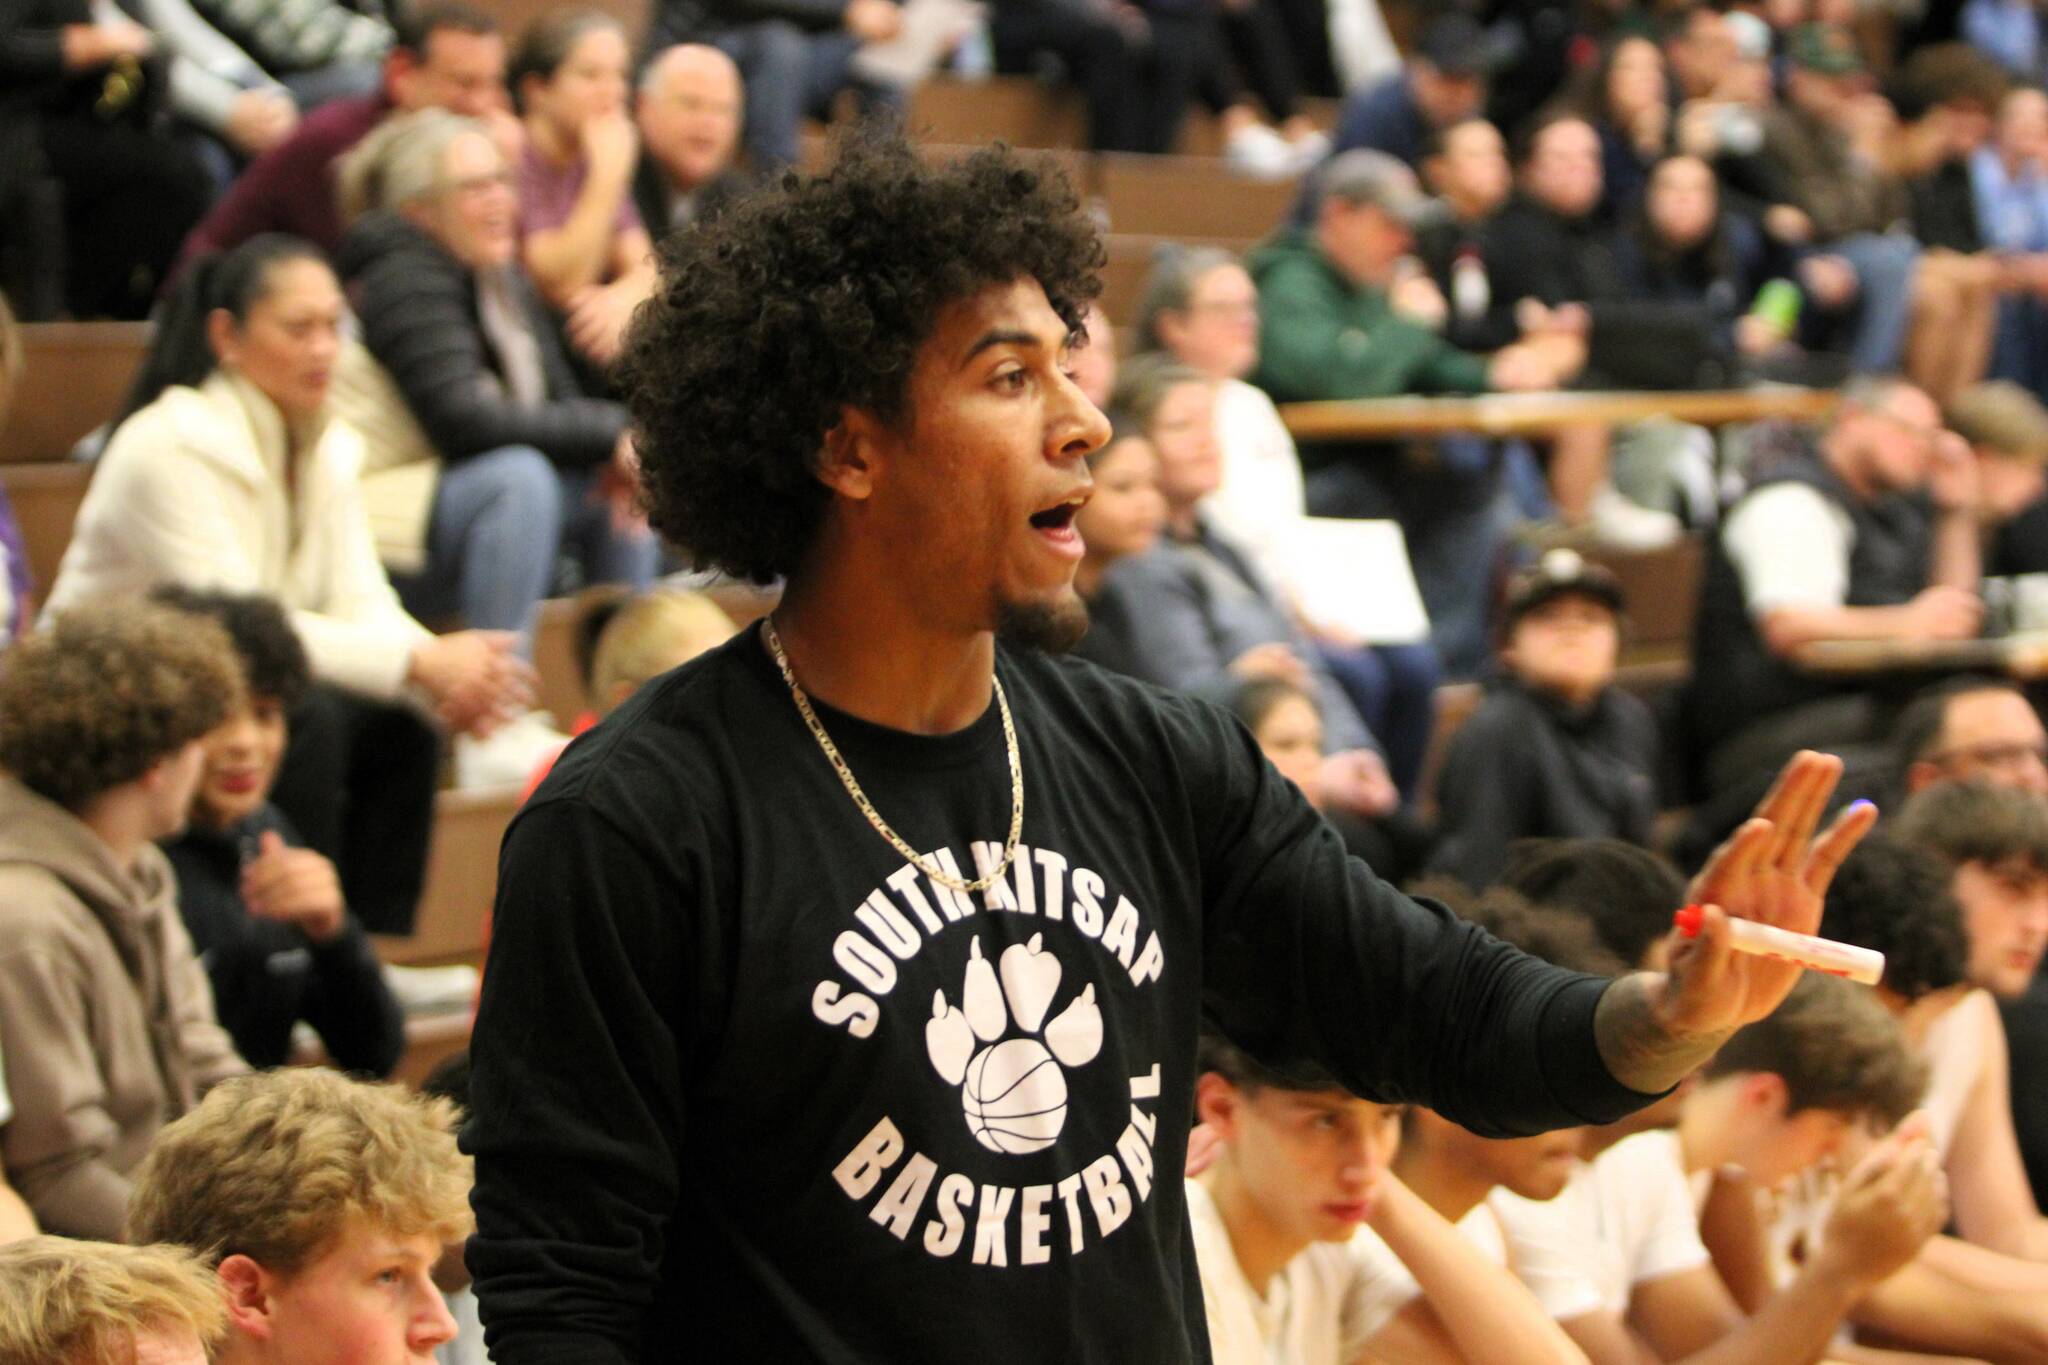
point(1864, 965)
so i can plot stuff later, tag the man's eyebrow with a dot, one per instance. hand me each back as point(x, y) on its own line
point(1000, 338)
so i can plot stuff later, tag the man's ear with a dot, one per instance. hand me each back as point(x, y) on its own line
point(247, 1288)
point(1216, 1103)
point(852, 454)
point(1765, 1092)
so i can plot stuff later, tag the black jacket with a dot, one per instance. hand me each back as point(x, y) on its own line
point(689, 21)
point(418, 306)
point(268, 976)
point(1528, 765)
point(650, 196)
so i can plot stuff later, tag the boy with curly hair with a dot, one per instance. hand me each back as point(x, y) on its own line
point(106, 1011)
point(862, 1028)
point(324, 1205)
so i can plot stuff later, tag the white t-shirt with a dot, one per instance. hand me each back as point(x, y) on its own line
point(1955, 1045)
point(1312, 1314)
point(1260, 497)
point(1790, 547)
point(1554, 1278)
point(1626, 1218)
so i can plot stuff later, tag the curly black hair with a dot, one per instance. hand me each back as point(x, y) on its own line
point(813, 296)
point(273, 660)
point(1626, 893)
point(1895, 898)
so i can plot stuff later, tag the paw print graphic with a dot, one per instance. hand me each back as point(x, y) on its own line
point(1013, 1089)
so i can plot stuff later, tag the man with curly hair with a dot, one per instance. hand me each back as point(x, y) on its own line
point(846, 981)
point(106, 1011)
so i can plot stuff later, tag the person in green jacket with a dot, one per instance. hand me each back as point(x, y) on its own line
point(1346, 312)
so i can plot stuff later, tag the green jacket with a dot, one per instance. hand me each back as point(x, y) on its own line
point(1320, 336)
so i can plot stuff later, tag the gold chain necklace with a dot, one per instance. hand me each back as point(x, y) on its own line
point(860, 798)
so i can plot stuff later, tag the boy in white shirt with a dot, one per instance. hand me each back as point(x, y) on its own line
point(1300, 1167)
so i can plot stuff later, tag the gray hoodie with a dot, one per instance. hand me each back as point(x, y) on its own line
point(105, 1013)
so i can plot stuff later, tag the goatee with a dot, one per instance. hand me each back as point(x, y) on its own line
point(1050, 627)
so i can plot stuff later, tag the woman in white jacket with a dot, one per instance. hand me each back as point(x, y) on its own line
point(228, 473)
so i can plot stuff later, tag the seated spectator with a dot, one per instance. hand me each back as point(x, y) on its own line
point(1300, 1166)
point(1699, 47)
point(265, 912)
point(529, 462)
point(64, 1302)
point(1466, 167)
point(1995, 841)
point(1972, 729)
point(1556, 749)
point(1287, 724)
point(1612, 1246)
point(581, 239)
point(1202, 308)
point(1329, 328)
point(1623, 891)
point(2007, 429)
point(688, 114)
point(127, 194)
point(105, 1008)
point(1867, 532)
point(323, 50)
point(229, 413)
point(1442, 82)
point(1197, 615)
point(1628, 100)
point(1852, 204)
point(324, 1205)
point(1122, 517)
point(1682, 248)
point(2007, 31)
point(1252, 39)
point(795, 61)
point(624, 642)
point(16, 1222)
point(446, 56)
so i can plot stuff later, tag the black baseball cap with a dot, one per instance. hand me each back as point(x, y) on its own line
point(1560, 573)
point(1458, 45)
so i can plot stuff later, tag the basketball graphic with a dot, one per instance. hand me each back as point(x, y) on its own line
point(1013, 1091)
point(1015, 1097)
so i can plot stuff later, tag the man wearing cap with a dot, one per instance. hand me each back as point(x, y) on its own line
point(1868, 533)
point(1556, 750)
point(1444, 80)
point(1850, 203)
point(1337, 321)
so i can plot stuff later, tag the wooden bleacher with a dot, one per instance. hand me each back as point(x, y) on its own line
point(74, 376)
point(45, 498)
point(462, 878)
point(1189, 199)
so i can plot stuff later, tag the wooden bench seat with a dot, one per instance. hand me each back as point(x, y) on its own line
point(1190, 199)
point(462, 879)
point(45, 498)
point(74, 376)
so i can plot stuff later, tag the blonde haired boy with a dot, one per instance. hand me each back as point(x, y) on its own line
point(324, 1203)
point(95, 1303)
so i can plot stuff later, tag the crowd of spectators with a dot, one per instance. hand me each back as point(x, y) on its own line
point(391, 255)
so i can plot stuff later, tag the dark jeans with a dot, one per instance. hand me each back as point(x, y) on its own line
point(129, 199)
point(1455, 521)
point(790, 72)
point(358, 779)
point(1093, 50)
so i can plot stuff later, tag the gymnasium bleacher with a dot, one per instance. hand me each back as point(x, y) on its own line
point(76, 375)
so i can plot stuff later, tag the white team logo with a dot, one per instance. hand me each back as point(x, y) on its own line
point(1013, 1091)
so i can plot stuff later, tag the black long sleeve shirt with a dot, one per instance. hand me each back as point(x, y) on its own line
point(747, 1086)
point(267, 976)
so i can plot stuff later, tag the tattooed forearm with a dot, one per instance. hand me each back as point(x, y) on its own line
point(1639, 1049)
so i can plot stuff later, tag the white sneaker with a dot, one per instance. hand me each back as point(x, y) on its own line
point(1257, 150)
point(1623, 525)
point(1309, 151)
point(432, 990)
point(509, 756)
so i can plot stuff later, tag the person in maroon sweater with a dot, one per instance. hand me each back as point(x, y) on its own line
point(448, 55)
